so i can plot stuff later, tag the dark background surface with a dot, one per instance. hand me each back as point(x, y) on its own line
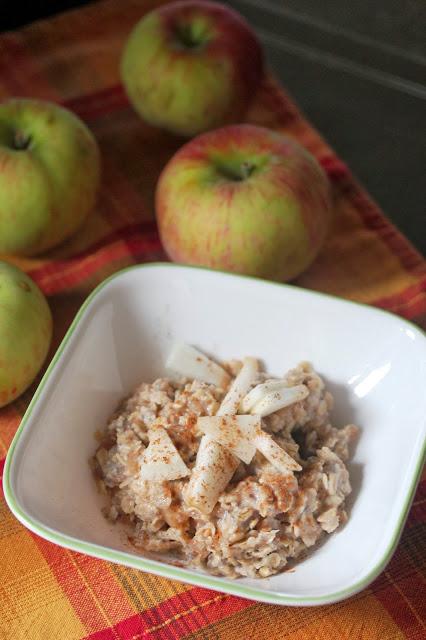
point(358, 70)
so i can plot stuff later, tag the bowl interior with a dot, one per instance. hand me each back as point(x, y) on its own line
point(374, 364)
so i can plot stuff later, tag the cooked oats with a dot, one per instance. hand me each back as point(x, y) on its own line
point(264, 517)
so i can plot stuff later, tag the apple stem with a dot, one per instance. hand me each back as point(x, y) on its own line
point(237, 172)
point(192, 34)
point(21, 141)
point(246, 170)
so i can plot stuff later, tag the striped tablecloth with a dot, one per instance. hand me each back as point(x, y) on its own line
point(49, 593)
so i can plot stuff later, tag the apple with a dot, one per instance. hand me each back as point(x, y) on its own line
point(49, 175)
point(244, 199)
point(191, 66)
point(25, 331)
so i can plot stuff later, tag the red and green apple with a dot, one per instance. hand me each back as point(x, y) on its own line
point(25, 331)
point(244, 199)
point(191, 66)
point(49, 175)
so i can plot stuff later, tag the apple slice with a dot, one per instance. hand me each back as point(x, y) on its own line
point(258, 392)
point(239, 387)
point(274, 400)
point(191, 363)
point(275, 454)
point(214, 467)
point(235, 433)
point(161, 460)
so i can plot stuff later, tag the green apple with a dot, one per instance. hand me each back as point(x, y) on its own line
point(244, 199)
point(25, 331)
point(191, 66)
point(49, 175)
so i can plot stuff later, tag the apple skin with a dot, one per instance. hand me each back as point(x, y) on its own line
point(25, 332)
point(49, 175)
point(191, 66)
point(244, 199)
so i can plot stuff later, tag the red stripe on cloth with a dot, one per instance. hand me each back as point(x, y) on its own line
point(2, 463)
point(408, 256)
point(176, 617)
point(89, 585)
point(99, 103)
point(371, 216)
point(417, 513)
point(405, 295)
point(334, 168)
point(197, 608)
point(125, 233)
point(404, 601)
point(72, 583)
point(411, 310)
point(105, 634)
point(62, 276)
point(409, 302)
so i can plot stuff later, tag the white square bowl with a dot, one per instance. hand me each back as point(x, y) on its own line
point(373, 362)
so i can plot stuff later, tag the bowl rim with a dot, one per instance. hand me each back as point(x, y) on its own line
point(168, 570)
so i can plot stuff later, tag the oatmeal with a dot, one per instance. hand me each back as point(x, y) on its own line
point(225, 467)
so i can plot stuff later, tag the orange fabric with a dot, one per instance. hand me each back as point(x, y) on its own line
point(48, 592)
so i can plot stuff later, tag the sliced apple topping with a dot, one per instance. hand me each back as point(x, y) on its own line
point(214, 467)
point(191, 363)
point(228, 437)
point(235, 433)
point(275, 454)
point(161, 460)
point(239, 387)
point(258, 392)
point(271, 396)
